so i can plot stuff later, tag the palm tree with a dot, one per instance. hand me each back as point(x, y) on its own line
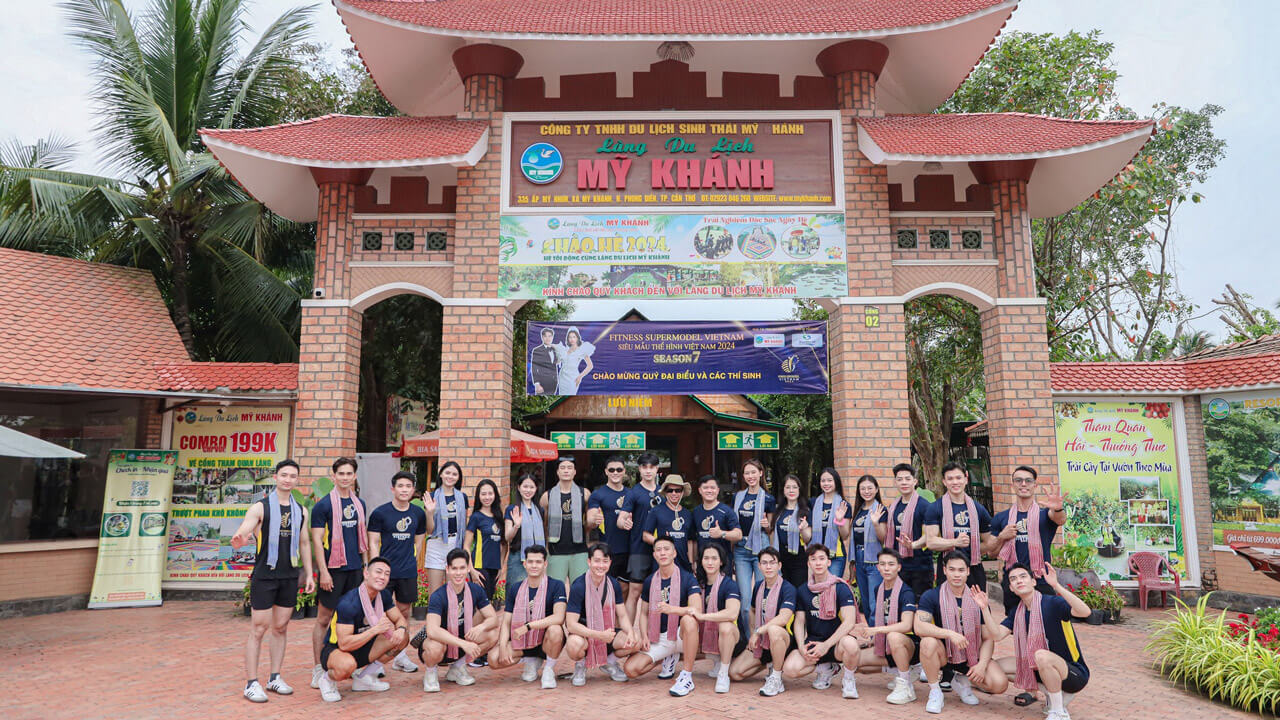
point(231, 271)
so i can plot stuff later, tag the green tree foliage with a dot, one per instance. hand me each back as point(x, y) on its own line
point(231, 271)
point(399, 355)
point(316, 86)
point(1105, 266)
point(1239, 450)
point(807, 443)
point(1245, 320)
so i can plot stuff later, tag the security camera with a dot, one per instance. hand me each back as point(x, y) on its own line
point(317, 293)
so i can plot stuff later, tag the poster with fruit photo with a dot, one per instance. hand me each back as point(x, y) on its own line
point(1118, 468)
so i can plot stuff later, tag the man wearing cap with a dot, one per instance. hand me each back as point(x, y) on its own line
point(671, 520)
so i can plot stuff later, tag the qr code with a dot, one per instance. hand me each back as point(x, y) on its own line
point(141, 488)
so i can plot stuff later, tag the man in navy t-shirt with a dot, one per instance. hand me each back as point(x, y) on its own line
point(518, 622)
point(356, 639)
point(1059, 666)
point(608, 502)
point(770, 633)
point(966, 533)
point(1012, 528)
point(396, 532)
point(610, 631)
point(334, 582)
point(671, 520)
point(716, 522)
point(825, 613)
point(640, 498)
point(660, 607)
point(456, 636)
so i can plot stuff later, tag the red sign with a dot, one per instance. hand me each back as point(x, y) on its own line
point(658, 162)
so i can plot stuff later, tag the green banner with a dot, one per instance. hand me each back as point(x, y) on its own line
point(745, 440)
point(599, 440)
point(1242, 451)
point(1117, 465)
point(135, 522)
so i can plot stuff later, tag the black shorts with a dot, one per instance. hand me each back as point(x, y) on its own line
point(343, 582)
point(361, 654)
point(404, 590)
point(1077, 678)
point(766, 655)
point(639, 567)
point(918, 579)
point(828, 657)
point(264, 593)
point(620, 566)
point(535, 652)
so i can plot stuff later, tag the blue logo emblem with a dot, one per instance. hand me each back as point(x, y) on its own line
point(191, 416)
point(541, 163)
point(553, 223)
point(1219, 408)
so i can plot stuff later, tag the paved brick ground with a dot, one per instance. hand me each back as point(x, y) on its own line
point(184, 660)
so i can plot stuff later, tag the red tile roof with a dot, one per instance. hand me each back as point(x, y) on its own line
point(672, 17)
point(1254, 346)
point(72, 322)
point(228, 376)
point(358, 139)
point(990, 133)
point(1173, 376)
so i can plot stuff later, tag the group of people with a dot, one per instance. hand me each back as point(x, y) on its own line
point(627, 579)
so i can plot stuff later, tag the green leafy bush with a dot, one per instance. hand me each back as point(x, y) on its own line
point(1077, 555)
point(1268, 616)
point(1197, 649)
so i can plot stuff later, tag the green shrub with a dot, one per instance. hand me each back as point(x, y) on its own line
point(1268, 616)
point(1197, 649)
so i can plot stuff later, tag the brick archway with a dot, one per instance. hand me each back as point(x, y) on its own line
point(373, 296)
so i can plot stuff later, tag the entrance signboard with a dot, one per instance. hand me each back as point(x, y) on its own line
point(599, 440)
point(676, 358)
point(713, 256)
point(747, 440)
point(657, 161)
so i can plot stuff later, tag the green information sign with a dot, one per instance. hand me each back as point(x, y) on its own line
point(599, 440)
point(744, 440)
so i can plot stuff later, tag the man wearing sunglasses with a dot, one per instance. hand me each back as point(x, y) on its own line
point(602, 512)
point(1023, 534)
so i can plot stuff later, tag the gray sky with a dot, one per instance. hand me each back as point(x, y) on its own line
point(1185, 52)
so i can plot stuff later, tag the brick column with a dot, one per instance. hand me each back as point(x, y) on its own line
point(867, 350)
point(475, 373)
point(1199, 500)
point(1015, 346)
point(324, 424)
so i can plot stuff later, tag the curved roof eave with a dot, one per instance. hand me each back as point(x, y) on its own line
point(1063, 177)
point(284, 183)
point(412, 64)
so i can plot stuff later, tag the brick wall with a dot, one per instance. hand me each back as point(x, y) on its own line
point(868, 364)
point(475, 379)
point(153, 423)
point(1200, 492)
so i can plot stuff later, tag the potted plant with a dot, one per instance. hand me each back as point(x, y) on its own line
point(302, 604)
point(1093, 596)
point(1114, 602)
point(1076, 561)
point(244, 599)
point(424, 596)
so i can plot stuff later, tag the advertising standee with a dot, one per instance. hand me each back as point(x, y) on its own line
point(135, 520)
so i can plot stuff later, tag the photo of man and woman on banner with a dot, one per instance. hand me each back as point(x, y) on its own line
point(556, 367)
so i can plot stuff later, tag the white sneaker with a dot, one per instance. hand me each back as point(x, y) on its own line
point(255, 693)
point(548, 677)
point(279, 686)
point(458, 674)
point(963, 689)
point(714, 672)
point(616, 673)
point(316, 672)
point(822, 676)
point(902, 694)
point(430, 681)
point(849, 686)
point(668, 668)
point(329, 688)
point(378, 669)
point(722, 683)
point(404, 664)
point(368, 682)
point(684, 684)
point(934, 704)
point(916, 674)
point(579, 674)
point(1058, 715)
point(773, 686)
point(529, 672)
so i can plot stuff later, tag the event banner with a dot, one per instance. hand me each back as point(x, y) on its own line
point(676, 358)
point(1242, 446)
point(654, 257)
point(406, 418)
point(225, 460)
point(778, 162)
point(135, 518)
point(1117, 466)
